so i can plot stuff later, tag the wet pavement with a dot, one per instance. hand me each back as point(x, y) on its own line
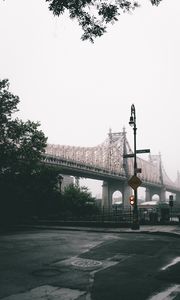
point(90, 264)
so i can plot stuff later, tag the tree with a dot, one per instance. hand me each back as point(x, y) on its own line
point(21, 147)
point(44, 195)
point(21, 143)
point(78, 201)
point(94, 15)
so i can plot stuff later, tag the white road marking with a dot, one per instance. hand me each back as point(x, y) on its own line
point(168, 294)
point(174, 261)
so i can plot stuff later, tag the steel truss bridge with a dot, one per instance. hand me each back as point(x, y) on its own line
point(105, 162)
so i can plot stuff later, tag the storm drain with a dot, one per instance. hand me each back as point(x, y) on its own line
point(86, 264)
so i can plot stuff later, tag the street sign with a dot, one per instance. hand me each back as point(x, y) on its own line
point(143, 151)
point(134, 182)
point(137, 151)
point(128, 155)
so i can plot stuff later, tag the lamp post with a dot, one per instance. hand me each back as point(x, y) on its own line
point(132, 122)
point(60, 180)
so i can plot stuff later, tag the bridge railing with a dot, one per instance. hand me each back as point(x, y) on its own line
point(54, 160)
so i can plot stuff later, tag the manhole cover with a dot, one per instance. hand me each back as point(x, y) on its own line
point(46, 272)
point(86, 263)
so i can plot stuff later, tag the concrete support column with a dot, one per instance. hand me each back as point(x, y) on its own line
point(163, 194)
point(148, 195)
point(106, 196)
point(178, 198)
point(127, 192)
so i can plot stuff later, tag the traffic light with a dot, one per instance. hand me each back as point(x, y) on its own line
point(171, 201)
point(131, 200)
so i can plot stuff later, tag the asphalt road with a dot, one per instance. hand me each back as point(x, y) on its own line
point(53, 264)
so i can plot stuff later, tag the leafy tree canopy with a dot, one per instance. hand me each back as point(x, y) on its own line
point(94, 15)
point(21, 143)
point(78, 201)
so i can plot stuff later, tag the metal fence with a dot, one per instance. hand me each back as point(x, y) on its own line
point(124, 216)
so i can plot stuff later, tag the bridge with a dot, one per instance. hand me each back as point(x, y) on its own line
point(106, 162)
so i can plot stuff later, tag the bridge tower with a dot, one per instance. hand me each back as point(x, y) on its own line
point(160, 191)
point(110, 186)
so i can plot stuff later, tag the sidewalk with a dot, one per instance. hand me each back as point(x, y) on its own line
point(153, 229)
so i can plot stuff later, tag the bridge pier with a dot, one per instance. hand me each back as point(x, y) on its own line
point(177, 198)
point(106, 196)
point(109, 187)
point(163, 194)
point(151, 191)
point(148, 195)
point(127, 192)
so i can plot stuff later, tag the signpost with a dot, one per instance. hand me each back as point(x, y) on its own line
point(134, 181)
point(171, 204)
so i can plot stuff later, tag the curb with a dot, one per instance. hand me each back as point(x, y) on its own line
point(100, 230)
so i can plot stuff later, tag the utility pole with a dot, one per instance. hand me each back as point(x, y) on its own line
point(134, 181)
point(132, 122)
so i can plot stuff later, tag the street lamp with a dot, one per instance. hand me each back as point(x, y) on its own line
point(60, 180)
point(132, 122)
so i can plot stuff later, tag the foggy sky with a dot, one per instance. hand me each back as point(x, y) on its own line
point(78, 90)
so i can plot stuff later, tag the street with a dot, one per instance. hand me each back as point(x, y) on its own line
point(60, 264)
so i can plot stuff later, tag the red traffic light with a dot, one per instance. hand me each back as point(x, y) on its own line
point(131, 200)
point(171, 200)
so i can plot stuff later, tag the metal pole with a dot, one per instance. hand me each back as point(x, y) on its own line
point(60, 186)
point(135, 224)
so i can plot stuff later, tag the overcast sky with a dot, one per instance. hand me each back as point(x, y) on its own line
point(78, 90)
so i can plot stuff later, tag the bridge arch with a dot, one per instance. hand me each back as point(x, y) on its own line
point(155, 197)
point(152, 192)
point(117, 197)
point(109, 188)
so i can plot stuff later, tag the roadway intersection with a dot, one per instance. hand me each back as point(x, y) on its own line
point(66, 264)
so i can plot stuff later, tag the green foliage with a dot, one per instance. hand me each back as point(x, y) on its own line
point(94, 15)
point(78, 201)
point(27, 195)
point(21, 143)
point(41, 192)
point(21, 147)
point(29, 188)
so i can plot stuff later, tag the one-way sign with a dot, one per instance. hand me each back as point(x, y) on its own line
point(137, 151)
point(143, 151)
point(128, 155)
